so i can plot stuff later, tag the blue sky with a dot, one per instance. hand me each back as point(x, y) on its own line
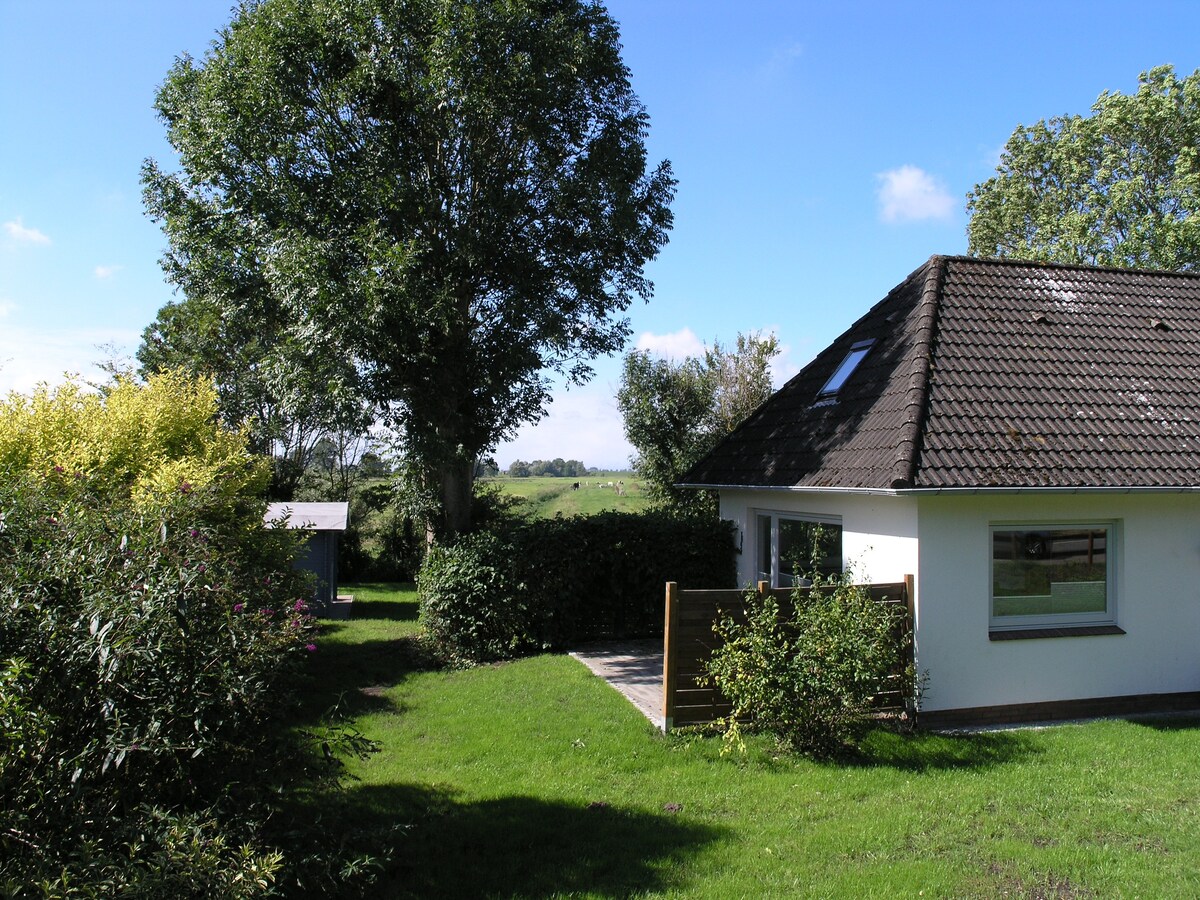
point(823, 152)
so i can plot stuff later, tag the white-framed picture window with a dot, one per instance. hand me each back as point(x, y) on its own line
point(1053, 574)
point(790, 547)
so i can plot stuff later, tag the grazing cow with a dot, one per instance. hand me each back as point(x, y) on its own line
point(575, 486)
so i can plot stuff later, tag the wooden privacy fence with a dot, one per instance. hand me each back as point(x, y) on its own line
point(689, 641)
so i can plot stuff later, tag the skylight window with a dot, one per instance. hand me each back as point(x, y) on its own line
point(856, 355)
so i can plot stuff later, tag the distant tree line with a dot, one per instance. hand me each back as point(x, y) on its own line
point(558, 468)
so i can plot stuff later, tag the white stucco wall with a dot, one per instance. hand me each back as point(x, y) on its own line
point(879, 533)
point(1157, 557)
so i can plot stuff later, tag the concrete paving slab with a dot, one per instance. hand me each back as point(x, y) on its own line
point(635, 668)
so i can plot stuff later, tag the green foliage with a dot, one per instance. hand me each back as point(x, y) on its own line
point(806, 670)
point(675, 413)
point(473, 606)
point(290, 395)
point(1120, 187)
point(453, 196)
point(149, 441)
point(554, 468)
point(152, 638)
point(554, 583)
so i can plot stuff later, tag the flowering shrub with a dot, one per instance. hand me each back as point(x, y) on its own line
point(150, 644)
point(129, 683)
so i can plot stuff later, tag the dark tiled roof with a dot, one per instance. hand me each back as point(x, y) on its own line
point(993, 373)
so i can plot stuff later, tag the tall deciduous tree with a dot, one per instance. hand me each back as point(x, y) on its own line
point(290, 397)
point(455, 193)
point(675, 412)
point(1120, 187)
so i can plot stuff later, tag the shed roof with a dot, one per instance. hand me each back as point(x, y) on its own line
point(310, 516)
point(992, 374)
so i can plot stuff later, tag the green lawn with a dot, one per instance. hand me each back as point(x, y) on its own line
point(535, 779)
point(547, 497)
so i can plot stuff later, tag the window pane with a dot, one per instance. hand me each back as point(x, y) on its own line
point(1049, 572)
point(804, 546)
point(846, 369)
point(764, 548)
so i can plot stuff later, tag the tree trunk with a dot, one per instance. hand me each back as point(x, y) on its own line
point(458, 493)
point(456, 483)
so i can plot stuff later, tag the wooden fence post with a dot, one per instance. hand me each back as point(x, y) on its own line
point(910, 583)
point(670, 658)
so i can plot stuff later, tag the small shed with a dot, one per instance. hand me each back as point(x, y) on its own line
point(325, 521)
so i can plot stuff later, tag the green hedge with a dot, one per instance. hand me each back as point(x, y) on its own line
point(525, 587)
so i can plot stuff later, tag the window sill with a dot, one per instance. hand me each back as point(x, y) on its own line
point(1030, 634)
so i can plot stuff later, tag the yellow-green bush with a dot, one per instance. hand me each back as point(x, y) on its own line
point(153, 643)
point(148, 441)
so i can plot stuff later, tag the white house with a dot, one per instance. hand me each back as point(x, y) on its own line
point(1024, 440)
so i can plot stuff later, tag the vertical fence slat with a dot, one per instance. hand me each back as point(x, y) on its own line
point(670, 658)
point(679, 604)
point(910, 583)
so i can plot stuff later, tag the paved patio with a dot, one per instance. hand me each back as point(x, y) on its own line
point(635, 668)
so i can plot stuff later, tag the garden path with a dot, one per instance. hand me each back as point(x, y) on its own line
point(635, 668)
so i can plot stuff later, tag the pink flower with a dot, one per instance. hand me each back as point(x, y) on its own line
point(238, 607)
point(299, 605)
point(311, 648)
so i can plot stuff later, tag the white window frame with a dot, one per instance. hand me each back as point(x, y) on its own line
point(1112, 546)
point(776, 515)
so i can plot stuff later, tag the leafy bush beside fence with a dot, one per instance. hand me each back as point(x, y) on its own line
point(525, 587)
point(808, 669)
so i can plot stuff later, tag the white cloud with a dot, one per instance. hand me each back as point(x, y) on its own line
point(675, 345)
point(910, 194)
point(22, 235)
point(784, 365)
point(583, 424)
point(7, 308)
point(29, 356)
point(104, 272)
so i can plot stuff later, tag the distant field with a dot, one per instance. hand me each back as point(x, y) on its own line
point(547, 496)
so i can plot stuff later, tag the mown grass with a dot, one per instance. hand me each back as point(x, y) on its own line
point(546, 497)
point(536, 779)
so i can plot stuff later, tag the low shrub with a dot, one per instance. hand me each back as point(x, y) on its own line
point(152, 639)
point(529, 586)
point(143, 663)
point(807, 670)
point(473, 606)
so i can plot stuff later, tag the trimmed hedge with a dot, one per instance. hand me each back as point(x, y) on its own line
point(548, 584)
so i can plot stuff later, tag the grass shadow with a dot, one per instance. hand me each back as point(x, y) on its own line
point(520, 846)
point(929, 751)
point(387, 610)
point(355, 676)
point(392, 601)
point(1182, 721)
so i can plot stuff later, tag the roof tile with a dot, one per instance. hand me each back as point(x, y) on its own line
point(990, 373)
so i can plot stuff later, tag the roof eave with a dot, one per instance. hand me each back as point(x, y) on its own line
point(933, 491)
